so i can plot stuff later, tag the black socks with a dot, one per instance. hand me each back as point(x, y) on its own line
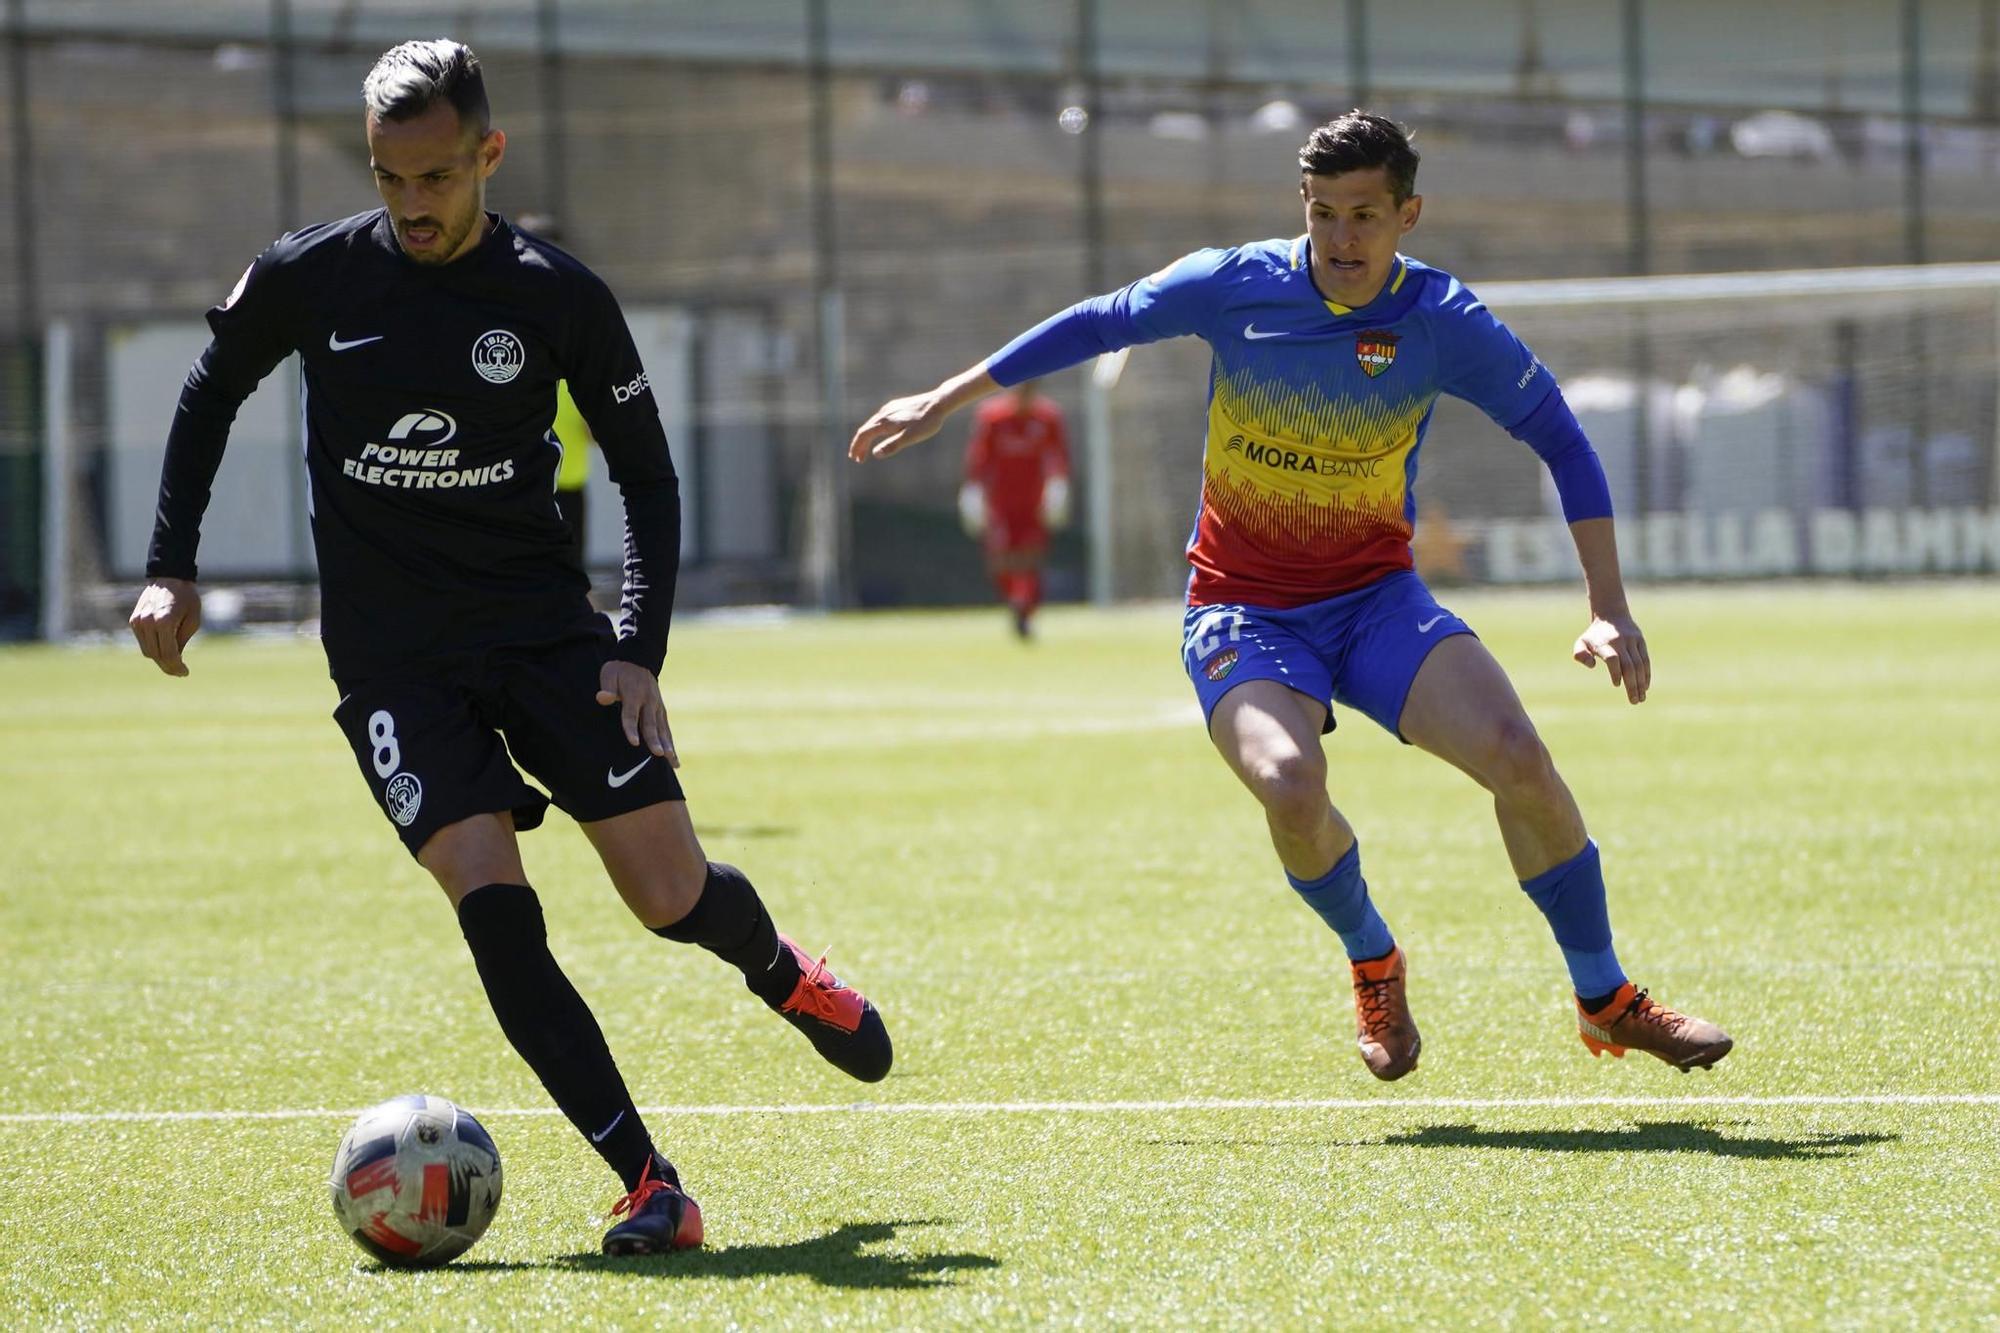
point(553, 1030)
point(730, 922)
point(549, 1024)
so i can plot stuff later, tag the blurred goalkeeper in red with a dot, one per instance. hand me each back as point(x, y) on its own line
point(1016, 489)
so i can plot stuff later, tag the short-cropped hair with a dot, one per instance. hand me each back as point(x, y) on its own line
point(1358, 141)
point(412, 78)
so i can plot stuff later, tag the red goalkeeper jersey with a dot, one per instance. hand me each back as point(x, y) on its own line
point(1014, 452)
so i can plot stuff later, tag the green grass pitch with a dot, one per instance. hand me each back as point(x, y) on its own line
point(1127, 1083)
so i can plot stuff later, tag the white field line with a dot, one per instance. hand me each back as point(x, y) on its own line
point(1090, 1108)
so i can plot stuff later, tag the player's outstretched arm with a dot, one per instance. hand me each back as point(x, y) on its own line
point(1612, 637)
point(902, 422)
point(1177, 300)
point(166, 616)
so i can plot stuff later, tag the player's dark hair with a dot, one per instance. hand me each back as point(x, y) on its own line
point(1358, 141)
point(412, 78)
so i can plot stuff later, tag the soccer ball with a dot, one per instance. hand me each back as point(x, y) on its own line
point(415, 1181)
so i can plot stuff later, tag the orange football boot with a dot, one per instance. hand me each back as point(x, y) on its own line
point(1385, 1031)
point(1634, 1021)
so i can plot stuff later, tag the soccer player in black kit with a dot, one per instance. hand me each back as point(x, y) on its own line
point(454, 612)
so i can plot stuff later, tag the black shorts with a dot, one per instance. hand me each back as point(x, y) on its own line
point(440, 744)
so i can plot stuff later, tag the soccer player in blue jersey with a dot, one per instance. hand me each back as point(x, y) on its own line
point(1330, 351)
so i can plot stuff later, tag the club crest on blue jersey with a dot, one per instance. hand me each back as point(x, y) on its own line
point(1221, 664)
point(1375, 350)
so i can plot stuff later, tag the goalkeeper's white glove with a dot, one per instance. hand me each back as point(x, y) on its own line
point(1055, 502)
point(972, 508)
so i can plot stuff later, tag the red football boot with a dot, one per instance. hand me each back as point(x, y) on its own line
point(659, 1217)
point(837, 1019)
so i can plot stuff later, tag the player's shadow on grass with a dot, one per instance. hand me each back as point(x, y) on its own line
point(1661, 1136)
point(835, 1259)
point(1665, 1136)
point(721, 831)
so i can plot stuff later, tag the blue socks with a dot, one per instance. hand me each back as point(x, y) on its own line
point(1340, 896)
point(1571, 896)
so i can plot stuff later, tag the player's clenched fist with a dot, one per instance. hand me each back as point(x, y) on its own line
point(166, 616)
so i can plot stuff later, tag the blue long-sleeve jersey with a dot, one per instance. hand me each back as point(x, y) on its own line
point(1317, 411)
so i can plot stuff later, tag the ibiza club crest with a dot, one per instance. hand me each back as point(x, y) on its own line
point(1375, 350)
point(404, 797)
point(498, 356)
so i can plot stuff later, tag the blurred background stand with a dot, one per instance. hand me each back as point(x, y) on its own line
point(806, 207)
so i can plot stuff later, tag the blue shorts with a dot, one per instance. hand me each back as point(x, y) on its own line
point(1360, 649)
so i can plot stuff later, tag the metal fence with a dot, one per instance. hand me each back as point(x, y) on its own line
point(847, 199)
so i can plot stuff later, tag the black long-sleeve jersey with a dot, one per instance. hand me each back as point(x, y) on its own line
point(429, 393)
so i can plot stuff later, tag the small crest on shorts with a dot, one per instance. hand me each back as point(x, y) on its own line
point(1375, 350)
point(403, 797)
point(1220, 665)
